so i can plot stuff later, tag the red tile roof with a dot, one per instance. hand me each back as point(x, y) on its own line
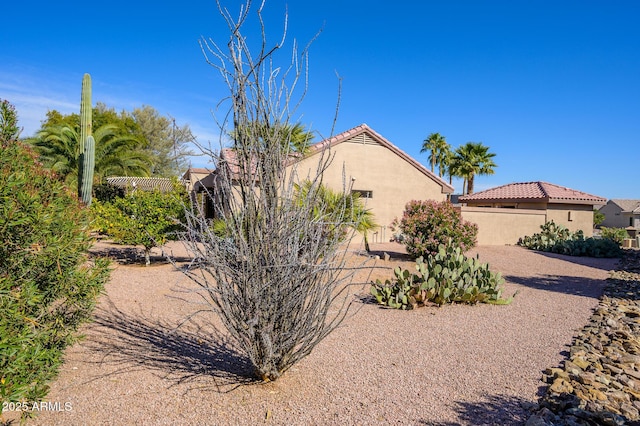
point(228, 155)
point(534, 191)
point(363, 128)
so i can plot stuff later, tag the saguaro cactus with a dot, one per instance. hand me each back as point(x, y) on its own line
point(87, 163)
point(85, 111)
point(86, 144)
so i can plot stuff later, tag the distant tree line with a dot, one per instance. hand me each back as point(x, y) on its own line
point(137, 143)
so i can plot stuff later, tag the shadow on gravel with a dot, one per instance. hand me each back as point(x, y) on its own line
point(578, 286)
point(128, 255)
point(393, 255)
point(494, 410)
point(606, 264)
point(193, 353)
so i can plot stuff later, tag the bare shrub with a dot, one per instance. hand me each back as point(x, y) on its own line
point(277, 279)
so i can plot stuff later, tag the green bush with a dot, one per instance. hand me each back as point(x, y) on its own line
point(558, 239)
point(48, 285)
point(617, 235)
point(598, 217)
point(107, 192)
point(447, 277)
point(147, 218)
point(426, 225)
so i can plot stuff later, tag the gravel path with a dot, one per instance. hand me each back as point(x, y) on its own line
point(470, 365)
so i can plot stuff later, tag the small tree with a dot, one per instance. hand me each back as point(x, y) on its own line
point(9, 129)
point(617, 235)
point(147, 218)
point(425, 225)
point(276, 278)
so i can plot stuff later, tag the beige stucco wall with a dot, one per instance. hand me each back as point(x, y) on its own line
point(613, 216)
point(369, 166)
point(574, 216)
point(497, 226)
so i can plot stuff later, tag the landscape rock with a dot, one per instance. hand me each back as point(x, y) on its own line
point(599, 382)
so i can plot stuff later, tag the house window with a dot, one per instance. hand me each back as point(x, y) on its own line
point(362, 193)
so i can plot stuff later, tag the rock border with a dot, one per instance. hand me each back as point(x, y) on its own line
point(599, 383)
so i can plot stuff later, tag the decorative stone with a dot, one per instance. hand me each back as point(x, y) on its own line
point(599, 382)
point(581, 362)
point(629, 411)
point(597, 395)
point(562, 386)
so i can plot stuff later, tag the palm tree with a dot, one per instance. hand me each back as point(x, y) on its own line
point(338, 209)
point(299, 138)
point(117, 152)
point(438, 147)
point(470, 160)
point(293, 137)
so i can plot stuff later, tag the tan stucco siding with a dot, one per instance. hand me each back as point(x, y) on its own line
point(498, 226)
point(369, 166)
point(503, 226)
point(613, 216)
point(574, 216)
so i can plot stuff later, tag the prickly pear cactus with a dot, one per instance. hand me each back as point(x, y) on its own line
point(447, 277)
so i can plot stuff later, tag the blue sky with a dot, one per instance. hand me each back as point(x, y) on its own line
point(553, 87)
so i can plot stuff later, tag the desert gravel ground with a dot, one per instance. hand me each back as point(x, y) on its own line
point(469, 365)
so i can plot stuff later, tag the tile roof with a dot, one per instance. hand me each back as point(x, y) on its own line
point(534, 191)
point(363, 128)
point(228, 155)
point(196, 170)
point(143, 183)
point(628, 205)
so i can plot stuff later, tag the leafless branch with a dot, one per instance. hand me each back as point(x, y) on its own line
point(278, 276)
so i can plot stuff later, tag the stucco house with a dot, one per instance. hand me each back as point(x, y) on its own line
point(379, 171)
point(508, 212)
point(198, 181)
point(621, 214)
point(373, 167)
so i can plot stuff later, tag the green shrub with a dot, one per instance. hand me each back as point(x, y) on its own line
point(338, 210)
point(558, 239)
point(107, 192)
point(48, 285)
point(617, 235)
point(447, 277)
point(426, 225)
point(147, 218)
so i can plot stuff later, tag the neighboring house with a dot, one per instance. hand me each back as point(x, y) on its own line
point(372, 166)
point(199, 182)
point(508, 212)
point(621, 214)
point(379, 171)
point(142, 183)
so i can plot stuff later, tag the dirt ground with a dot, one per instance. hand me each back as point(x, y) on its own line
point(142, 363)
